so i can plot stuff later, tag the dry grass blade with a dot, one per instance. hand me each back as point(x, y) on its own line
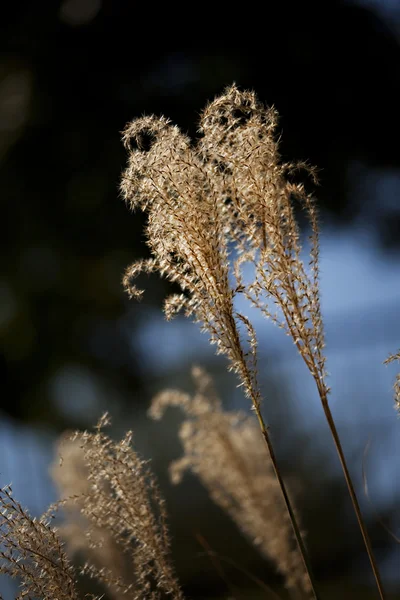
point(218, 557)
point(214, 558)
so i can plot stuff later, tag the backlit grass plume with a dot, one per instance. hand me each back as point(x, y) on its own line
point(96, 544)
point(227, 192)
point(115, 517)
point(122, 514)
point(222, 222)
point(32, 552)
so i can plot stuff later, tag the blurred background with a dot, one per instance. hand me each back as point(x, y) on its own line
point(72, 74)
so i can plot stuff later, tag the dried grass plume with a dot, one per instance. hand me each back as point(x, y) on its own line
point(123, 513)
point(225, 450)
point(215, 206)
point(32, 552)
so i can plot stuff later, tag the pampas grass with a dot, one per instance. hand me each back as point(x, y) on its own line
point(218, 209)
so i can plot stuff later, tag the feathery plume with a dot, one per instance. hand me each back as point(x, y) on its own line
point(224, 449)
point(31, 551)
point(96, 544)
point(229, 191)
point(122, 510)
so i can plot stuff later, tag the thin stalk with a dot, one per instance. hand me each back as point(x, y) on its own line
point(296, 529)
point(238, 567)
point(323, 394)
point(252, 392)
point(324, 399)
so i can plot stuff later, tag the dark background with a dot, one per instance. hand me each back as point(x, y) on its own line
point(72, 74)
